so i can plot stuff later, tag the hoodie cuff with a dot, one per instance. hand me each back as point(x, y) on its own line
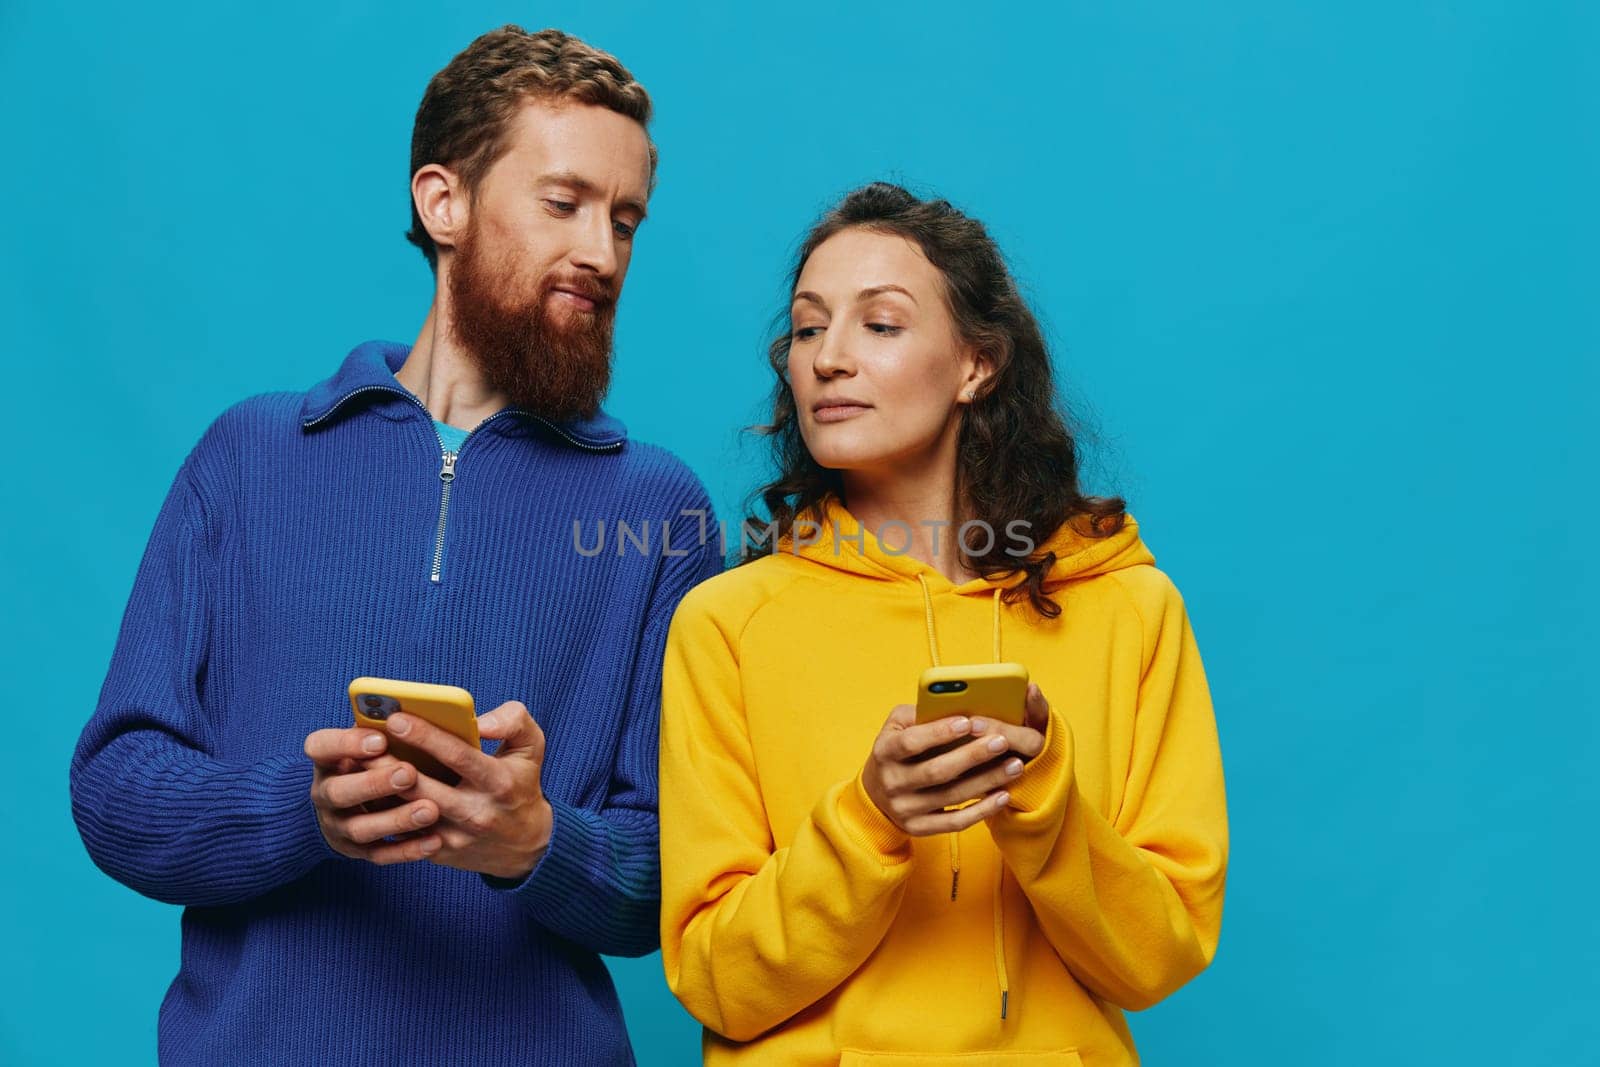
point(1048, 776)
point(870, 826)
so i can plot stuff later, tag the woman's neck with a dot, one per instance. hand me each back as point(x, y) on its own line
point(922, 498)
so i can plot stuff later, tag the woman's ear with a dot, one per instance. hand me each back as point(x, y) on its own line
point(442, 203)
point(980, 367)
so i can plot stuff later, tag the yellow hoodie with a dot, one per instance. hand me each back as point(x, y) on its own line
point(802, 927)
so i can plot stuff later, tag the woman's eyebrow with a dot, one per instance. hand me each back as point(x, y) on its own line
point(865, 294)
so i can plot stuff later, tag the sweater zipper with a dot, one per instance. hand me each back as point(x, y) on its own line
point(447, 475)
point(447, 469)
point(610, 446)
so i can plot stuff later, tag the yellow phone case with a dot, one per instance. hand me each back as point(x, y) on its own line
point(995, 690)
point(448, 707)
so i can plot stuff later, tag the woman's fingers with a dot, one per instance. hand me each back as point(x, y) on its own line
point(946, 822)
point(1025, 741)
point(980, 782)
point(918, 772)
point(1036, 709)
point(899, 742)
point(943, 769)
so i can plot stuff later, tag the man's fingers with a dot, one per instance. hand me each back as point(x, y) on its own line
point(449, 800)
point(516, 730)
point(444, 746)
point(349, 790)
point(417, 848)
point(329, 746)
point(365, 829)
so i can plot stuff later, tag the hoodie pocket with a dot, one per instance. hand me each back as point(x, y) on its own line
point(851, 1057)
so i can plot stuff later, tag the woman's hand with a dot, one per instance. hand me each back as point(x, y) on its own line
point(1027, 740)
point(913, 788)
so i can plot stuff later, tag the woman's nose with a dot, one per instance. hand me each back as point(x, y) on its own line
point(832, 359)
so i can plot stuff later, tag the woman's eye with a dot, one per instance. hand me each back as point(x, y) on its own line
point(805, 333)
point(883, 329)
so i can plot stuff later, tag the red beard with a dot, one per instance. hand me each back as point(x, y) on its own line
point(556, 367)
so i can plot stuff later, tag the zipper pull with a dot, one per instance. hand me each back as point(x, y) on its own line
point(447, 473)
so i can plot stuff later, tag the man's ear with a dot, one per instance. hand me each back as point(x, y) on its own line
point(442, 203)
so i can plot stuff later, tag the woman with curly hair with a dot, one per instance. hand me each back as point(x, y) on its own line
point(842, 884)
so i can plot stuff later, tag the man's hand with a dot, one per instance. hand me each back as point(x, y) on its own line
point(495, 820)
point(351, 770)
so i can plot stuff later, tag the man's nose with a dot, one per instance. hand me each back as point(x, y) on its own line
point(596, 249)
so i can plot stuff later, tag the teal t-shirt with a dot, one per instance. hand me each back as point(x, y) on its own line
point(452, 436)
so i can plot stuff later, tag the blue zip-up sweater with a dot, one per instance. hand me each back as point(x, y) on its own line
point(307, 540)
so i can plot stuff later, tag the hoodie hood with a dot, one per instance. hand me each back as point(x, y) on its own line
point(837, 540)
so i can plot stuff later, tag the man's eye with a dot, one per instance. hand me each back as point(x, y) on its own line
point(561, 206)
point(624, 230)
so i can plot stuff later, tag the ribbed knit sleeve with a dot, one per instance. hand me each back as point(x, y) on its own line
point(156, 809)
point(598, 883)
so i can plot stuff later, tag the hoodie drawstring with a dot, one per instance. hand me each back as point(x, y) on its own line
point(1002, 978)
point(1000, 942)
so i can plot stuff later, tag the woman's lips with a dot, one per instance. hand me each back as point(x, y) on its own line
point(839, 412)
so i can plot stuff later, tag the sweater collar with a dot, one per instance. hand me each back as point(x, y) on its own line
point(370, 368)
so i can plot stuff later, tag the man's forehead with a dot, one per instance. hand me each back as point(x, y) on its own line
point(585, 144)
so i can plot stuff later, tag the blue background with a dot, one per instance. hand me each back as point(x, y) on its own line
point(1324, 276)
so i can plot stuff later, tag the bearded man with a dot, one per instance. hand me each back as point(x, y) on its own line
point(413, 517)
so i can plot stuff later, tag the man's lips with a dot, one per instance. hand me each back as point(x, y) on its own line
point(583, 300)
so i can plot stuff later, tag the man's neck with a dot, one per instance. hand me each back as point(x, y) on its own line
point(445, 377)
